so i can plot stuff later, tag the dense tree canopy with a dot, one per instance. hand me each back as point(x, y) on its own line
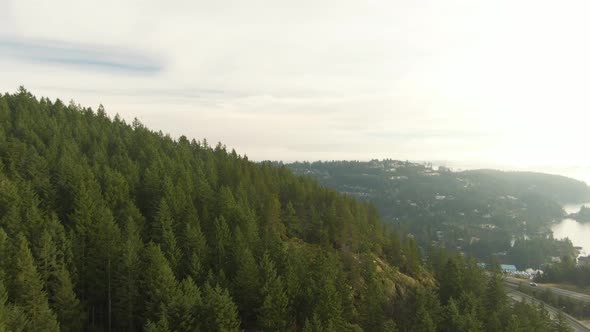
point(109, 226)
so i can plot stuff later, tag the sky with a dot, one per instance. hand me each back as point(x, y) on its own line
point(484, 83)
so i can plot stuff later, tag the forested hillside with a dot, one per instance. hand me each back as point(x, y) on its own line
point(480, 212)
point(560, 188)
point(393, 185)
point(108, 226)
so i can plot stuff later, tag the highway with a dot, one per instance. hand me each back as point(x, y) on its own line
point(513, 292)
point(555, 290)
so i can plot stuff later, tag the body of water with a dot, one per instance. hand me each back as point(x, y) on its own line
point(578, 233)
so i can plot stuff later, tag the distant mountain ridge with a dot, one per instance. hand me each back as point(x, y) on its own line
point(561, 188)
point(337, 174)
point(481, 212)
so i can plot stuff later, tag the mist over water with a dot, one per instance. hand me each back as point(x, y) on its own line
point(578, 233)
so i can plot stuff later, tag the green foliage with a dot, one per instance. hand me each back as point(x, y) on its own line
point(247, 284)
point(126, 279)
point(583, 215)
point(313, 325)
point(495, 299)
point(108, 226)
point(185, 307)
point(566, 271)
point(4, 311)
point(478, 212)
point(65, 302)
point(219, 309)
point(164, 234)
point(274, 315)
point(222, 241)
point(561, 324)
point(534, 252)
point(157, 282)
point(450, 281)
point(577, 308)
point(27, 290)
point(160, 326)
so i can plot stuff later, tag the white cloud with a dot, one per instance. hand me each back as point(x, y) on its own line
point(486, 81)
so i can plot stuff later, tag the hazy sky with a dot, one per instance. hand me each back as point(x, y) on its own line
point(480, 82)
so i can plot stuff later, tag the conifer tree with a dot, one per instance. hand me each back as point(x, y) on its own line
point(313, 325)
point(164, 235)
point(421, 311)
point(18, 321)
point(273, 229)
point(370, 309)
point(28, 290)
point(126, 279)
point(184, 309)
point(411, 256)
point(4, 252)
point(450, 281)
point(12, 318)
point(65, 303)
point(452, 320)
point(246, 283)
point(543, 318)
point(3, 306)
point(495, 298)
point(291, 221)
point(220, 311)
point(329, 301)
point(82, 219)
point(221, 244)
point(88, 193)
point(160, 325)
point(274, 310)
point(194, 247)
point(470, 308)
point(46, 257)
point(493, 322)
point(561, 324)
point(157, 283)
point(103, 241)
point(513, 324)
point(53, 270)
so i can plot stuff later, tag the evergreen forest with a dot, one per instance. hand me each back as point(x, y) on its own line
point(110, 226)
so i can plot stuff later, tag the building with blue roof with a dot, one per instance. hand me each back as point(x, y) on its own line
point(508, 268)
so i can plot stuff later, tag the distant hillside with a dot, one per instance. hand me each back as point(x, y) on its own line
point(559, 188)
point(396, 186)
point(455, 209)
